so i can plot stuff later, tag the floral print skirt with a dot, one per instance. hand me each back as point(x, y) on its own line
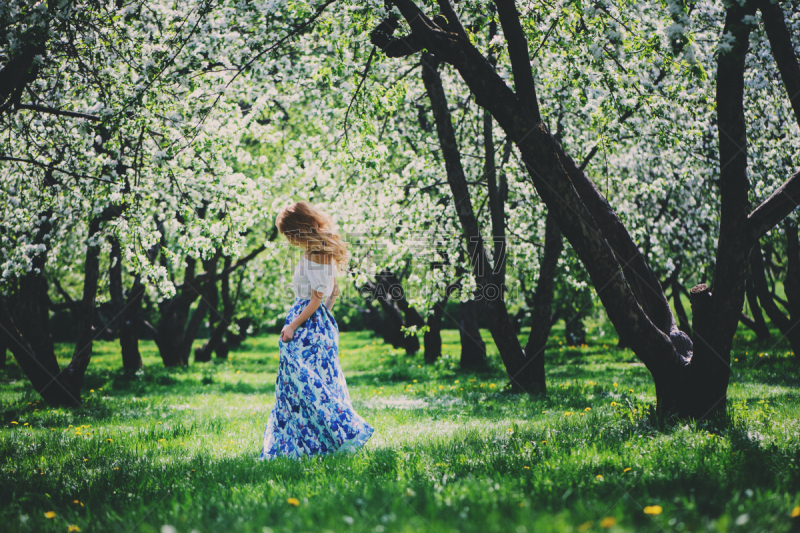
point(313, 414)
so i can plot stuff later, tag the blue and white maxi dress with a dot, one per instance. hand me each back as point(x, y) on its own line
point(313, 414)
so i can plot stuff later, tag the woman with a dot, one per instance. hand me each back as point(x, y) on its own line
point(313, 414)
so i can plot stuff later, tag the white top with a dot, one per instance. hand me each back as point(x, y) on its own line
point(309, 275)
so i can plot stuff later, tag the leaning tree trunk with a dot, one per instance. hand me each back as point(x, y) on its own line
point(542, 314)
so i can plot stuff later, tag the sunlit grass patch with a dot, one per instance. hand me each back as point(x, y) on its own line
point(452, 450)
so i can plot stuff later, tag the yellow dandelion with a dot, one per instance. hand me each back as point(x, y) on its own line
point(584, 527)
point(492, 385)
point(630, 390)
point(73, 527)
point(615, 384)
point(75, 501)
point(85, 460)
point(456, 381)
point(613, 404)
point(109, 440)
point(293, 501)
point(568, 413)
point(544, 442)
point(588, 409)
point(116, 468)
point(599, 477)
point(91, 390)
point(15, 423)
point(796, 512)
point(414, 381)
point(526, 467)
point(50, 514)
point(608, 522)
point(162, 440)
point(25, 424)
point(653, 510)
point(627, 470)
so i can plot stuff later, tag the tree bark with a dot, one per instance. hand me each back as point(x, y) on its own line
point(542, 313)
point(473, 349)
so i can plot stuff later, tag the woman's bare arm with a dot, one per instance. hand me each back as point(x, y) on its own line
point(287, 333)
point(332, 298)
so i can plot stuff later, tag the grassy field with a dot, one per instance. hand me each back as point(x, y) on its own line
point(175, 450)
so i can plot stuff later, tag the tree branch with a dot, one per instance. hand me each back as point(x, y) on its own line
point(775, 208)
point(780, 41)
point(51, 111)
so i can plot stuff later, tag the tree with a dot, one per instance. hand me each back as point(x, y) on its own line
point(691, 378)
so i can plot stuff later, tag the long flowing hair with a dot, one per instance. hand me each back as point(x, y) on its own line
point(313, 230)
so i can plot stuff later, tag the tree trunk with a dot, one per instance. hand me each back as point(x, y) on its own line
point(683, 319)
point(519, 368)
point(221, 322)
point(473, 349)
point(126, 311)
point(206, 306)
point(759, 325)
point(433, 337)
point(791, 284)
point(542, 314)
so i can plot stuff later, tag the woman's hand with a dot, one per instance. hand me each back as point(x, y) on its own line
point(287, 333)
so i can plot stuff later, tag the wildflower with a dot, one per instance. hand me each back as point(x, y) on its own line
point(15, 423)
point(627, 470)
point(544, 442)
point(50, 514)
point(584, 527)
point(456, 381)
point(588, 409)
point(526, 467)
point(653, 510)
point(613, 404)
point(109, 440)
point(75, 501)
point(599, 477)
point(608, 522)
point(796, 512)
point(614, 384)
point(630, 390)
point(568, 413)
point(414, 381)
point(162, 440)
point(25, 424)
point(85, 460)
point(73, 527)
point(91, 390)
point(293, 501)
point(116, 468)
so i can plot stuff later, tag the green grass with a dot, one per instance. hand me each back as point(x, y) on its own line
point(451, 451)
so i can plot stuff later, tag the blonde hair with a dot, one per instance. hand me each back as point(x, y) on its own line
point(312, 229)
